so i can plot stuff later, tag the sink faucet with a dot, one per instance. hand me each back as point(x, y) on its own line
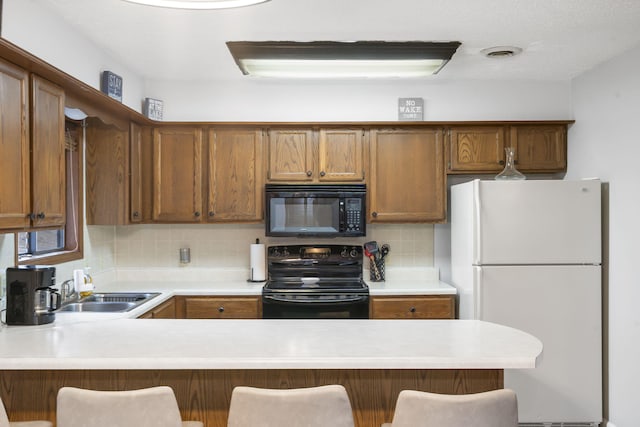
point(68, 292)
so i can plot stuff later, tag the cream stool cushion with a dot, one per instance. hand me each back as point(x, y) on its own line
point(303, 407)
point(497, 408)
point(4, 420)
point(150, 407)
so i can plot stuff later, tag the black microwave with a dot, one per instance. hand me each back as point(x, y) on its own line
point(307, 210)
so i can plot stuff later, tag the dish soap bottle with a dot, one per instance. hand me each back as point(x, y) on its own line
point(83, 282)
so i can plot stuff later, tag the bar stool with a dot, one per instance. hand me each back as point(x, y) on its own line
point(309, 407)
point(496, 408)
point(4, 420)
point(149, 407)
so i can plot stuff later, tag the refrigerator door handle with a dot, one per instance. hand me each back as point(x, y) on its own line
point(477, 294)
point(477, 239)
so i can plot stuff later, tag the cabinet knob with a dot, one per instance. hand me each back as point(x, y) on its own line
point(212, 214)
point(41, 215)
point(374, 214)
point(501, 162)
point(322, 173)
point(196, 214)
point(221, 309)
point(136, 214)
point(31, 216)
point(309, 173)
point(412, 309)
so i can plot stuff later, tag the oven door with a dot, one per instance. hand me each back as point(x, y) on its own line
point(314, 306)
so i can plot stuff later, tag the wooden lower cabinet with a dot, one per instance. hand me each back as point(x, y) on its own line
point(214, 307)
point(413, 307)
point(166, 310)
point(204, 395)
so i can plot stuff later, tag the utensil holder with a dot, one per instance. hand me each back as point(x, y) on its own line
point(376, 270)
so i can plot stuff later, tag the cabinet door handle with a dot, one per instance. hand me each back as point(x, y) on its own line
point(136, 214)
point(221, 309)
point(31, 216)
point(309, 173)
point(212, 214)
point(412, 309)
point(322, 173)
point(41, 215)
point(196, 214)
point(501, 162)
point(374, 214)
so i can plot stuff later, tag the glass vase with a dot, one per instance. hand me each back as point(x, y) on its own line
point(509, 172)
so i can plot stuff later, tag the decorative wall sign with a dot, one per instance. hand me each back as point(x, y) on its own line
point(410, 109)
point(153, 108)
point(111, 84)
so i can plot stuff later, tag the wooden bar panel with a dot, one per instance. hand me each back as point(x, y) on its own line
point(205, 394)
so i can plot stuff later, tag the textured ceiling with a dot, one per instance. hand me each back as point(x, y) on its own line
point(560, 38)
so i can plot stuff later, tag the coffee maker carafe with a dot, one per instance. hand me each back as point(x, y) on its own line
point(31, 298)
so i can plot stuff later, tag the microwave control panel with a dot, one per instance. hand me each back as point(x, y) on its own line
point(353, 211)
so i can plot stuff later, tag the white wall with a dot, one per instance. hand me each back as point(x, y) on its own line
point(604, 142)
point(32, 26)
point(265, 100)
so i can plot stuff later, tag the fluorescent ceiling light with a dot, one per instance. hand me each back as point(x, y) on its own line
point(368, 59)
point(197, 4)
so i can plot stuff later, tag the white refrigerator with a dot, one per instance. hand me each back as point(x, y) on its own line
point(527, 254)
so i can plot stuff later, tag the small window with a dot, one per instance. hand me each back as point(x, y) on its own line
point(53, 246)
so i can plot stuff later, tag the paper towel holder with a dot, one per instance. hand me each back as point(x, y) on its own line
point(251, 270)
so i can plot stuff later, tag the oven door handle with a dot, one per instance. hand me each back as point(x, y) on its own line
point(357, 298)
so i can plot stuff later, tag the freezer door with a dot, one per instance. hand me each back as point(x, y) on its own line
point(561, 306)
point(537, 222)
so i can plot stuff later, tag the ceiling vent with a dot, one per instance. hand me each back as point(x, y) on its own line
point(501, 51)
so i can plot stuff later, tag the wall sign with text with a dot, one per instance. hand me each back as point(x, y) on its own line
point(410, 109)
point(111, 84)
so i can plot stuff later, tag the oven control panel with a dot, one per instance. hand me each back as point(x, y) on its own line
point(316, 252)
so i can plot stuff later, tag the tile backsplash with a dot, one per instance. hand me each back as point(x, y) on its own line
point(156, 246)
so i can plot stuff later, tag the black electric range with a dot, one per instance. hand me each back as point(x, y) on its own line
point(315, 281)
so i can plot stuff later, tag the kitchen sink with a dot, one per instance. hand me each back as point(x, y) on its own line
point(109, 302)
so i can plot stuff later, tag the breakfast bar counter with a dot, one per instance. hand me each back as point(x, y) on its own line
point(202, 360)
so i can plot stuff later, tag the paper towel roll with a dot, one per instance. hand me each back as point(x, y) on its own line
point(258, 264)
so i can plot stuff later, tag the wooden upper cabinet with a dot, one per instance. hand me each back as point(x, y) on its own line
point(539, 148)
point(135, 173)
point(341, 155)
point(476, 149)
point(48, 171)
point(291, 153)
point(235, 175)
point(327, 155)
point(407, 182)
point(177, 174)
point(15, 194)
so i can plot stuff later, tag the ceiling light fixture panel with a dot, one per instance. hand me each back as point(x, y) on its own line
point(362, 59)
point(197, 4)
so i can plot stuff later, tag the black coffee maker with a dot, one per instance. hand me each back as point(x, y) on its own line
point(31, 298)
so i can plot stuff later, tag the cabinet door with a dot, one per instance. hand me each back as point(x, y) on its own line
point(476, 149)
point(413, 307)
point(407, 182)
point(177, 174)
point(291, 155)
point(14, 148)
point(48, 171)
point(540, 148)
point(222, 307)
point(341, 155)
point(135, 173)
point(235, 175)
point(107, 158)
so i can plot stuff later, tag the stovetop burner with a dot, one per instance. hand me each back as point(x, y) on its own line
point(315, 269)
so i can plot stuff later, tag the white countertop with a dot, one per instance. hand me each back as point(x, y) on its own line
point(120, 341)
point(266, 344)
